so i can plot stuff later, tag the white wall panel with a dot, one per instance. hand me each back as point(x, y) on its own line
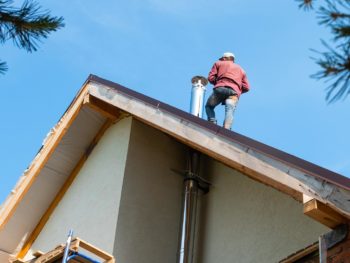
point(90, 206)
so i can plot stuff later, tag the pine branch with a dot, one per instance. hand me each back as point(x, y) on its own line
point(3, 67)
point(331, 14)
point(341, 32)
point(26, 26)
point(305, 4)
point(335, 68)
point(334, 62)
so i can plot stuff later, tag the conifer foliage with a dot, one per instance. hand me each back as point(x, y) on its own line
point(26, 26)
point(335, 61)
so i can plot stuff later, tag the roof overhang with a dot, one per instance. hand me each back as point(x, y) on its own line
point(101, 102)
point(278, 169)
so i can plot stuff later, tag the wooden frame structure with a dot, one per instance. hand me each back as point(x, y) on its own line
point(77, 244)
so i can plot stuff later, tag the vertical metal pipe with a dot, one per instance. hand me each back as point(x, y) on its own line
point(322, 249)
point(197, 95)
point(191, 185)
point(66, 250)
point(188, 217)
point(188, 221)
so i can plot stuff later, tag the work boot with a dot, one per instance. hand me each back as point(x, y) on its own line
point(212, 120)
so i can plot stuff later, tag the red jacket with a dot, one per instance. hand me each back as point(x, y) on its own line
point(227, 73)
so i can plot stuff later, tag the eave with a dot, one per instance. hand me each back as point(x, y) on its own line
point(101, 102)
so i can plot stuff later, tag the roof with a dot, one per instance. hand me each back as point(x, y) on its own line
point(97, 105)
point(282, 156)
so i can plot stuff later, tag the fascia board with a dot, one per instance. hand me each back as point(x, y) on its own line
point(262, 167)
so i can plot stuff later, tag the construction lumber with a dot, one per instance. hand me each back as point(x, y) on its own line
point(301, 253)
point(323, 214)
point(106, 109)
point(78, 246)
point(98, 252)
point(38, 253)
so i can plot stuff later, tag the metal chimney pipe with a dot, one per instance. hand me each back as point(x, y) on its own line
point(191, 181)
point(189, 209)
point(197, 95)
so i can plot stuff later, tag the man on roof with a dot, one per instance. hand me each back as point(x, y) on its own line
point(229, 81)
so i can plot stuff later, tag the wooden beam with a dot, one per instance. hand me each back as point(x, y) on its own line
point(56, 254)
point(42, 157)
point(96, 251)
point(38, 253)
point(259, 166)
point(306, 198)
point(323, 214)
point(35, 233)
point(106, 109)
point(300, 254)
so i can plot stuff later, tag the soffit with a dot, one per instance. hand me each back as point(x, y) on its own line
point(51, 178)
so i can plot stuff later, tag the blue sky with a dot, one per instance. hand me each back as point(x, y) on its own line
point(155, 47)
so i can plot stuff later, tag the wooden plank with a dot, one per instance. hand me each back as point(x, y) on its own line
point(50, 256)
point(42, 157)
point(99, 104)
point(306, 198)
point(106, 109)
point(300, 254)
point(76, 244)
point(96, 251)
point(38, 253)
point(156, 122)
point(35, 233)
point(256, 165)
point(323, 214)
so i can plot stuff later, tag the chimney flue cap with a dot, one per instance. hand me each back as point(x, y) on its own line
point(203, 80)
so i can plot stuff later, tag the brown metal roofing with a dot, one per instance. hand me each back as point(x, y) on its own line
point(307, 167)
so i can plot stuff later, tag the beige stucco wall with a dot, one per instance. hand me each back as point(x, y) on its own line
point(244, 221)
point(133, 197)
point(90, 206)
point(239, 220)
point(148, 222)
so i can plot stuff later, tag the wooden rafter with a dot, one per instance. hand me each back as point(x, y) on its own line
point(106, 109)
point(323, 214)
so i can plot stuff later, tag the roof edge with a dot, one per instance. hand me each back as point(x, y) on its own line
point(281, 156)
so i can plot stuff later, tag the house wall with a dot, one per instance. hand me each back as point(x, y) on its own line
point(245, 221)
point(134, 212)
point(150, 208)
point(91, 204)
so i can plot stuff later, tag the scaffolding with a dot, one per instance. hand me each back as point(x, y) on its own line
point(79, 251)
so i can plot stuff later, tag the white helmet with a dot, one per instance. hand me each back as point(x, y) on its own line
point(228, 55)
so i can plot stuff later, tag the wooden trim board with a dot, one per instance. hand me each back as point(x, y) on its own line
point(262, 168)
point(106, 109)
point(300, 254)
point(76, 243)
point(323, 214)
